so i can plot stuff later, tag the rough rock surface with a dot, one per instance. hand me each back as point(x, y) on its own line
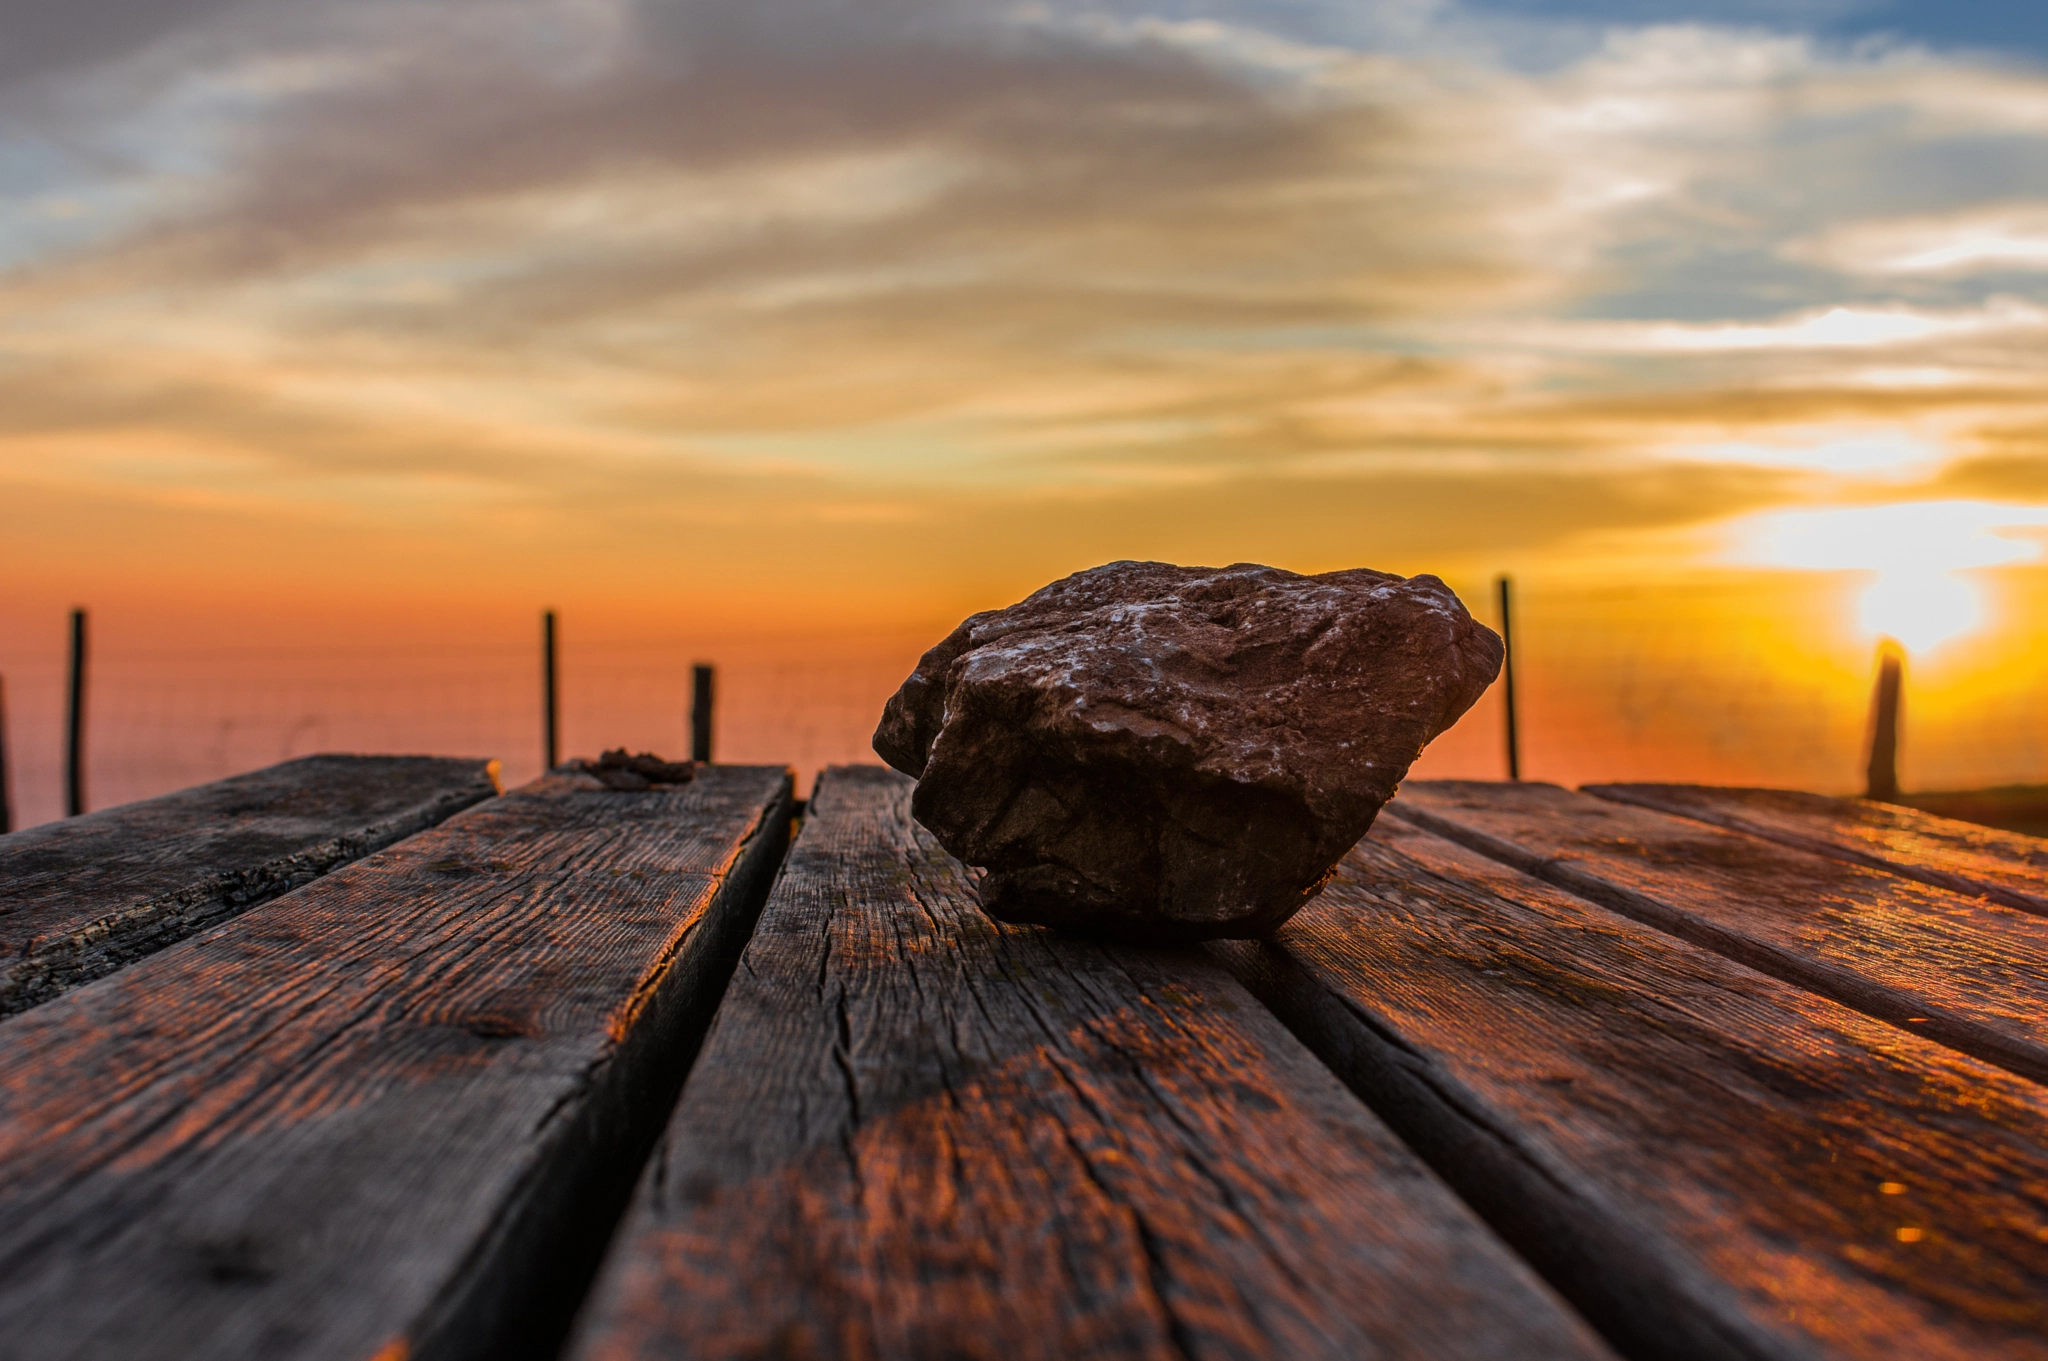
point(1179, 753)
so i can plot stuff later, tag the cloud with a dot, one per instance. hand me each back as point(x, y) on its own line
point(1925, 536)
point(591, 264)
point(45, 42)
point(1830, 328)
point(1990, 238)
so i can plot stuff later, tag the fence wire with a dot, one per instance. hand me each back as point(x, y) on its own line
point(1723, 680)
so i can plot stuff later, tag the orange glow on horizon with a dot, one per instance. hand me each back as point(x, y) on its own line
point(332, 350)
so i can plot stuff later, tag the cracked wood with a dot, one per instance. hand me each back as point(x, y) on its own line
point(1965, 972)
point(83, 897)
point(1710, 1162)
point(916, 1132)
point(376, 1113)
point(1981, 862)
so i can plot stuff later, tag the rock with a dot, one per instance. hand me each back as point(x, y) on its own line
point(1162, 753)
point(616, 770)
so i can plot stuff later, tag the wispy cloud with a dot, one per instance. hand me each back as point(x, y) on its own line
point(1814, 329)
point(874, 266)
point(1977, 239)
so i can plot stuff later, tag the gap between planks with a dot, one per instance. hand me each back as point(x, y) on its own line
point(398, 1109)
point(86, 896)
point(1980, 862)
point(1962, 971)
point(1710, 1163)
point(917, 1132)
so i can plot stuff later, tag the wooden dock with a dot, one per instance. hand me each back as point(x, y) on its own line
point(433, 1072)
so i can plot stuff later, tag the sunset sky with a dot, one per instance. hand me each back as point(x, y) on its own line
point(323, 318)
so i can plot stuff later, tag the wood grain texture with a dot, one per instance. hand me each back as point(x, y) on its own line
point(1979, 862)
point(2021, 808)
point(1965, 972)
point(1709, 1162)
point(377, 1113)
point(82, 897)
point(914, 1132)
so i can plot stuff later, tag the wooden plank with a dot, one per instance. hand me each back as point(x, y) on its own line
point(1707, 1161)
point(1979, 862)
point(391, 1114)
point(2019, 808)
point(1968, 973)
point(914, 1132)
point(82, 897)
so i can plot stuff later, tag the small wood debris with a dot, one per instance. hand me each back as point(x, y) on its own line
point(618, 770)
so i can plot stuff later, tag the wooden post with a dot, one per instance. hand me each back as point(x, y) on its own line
point(700, 713)
point(1507, 676)
point(550, 704)
point(74, 722)
point(6, 787)
point(1884, 725)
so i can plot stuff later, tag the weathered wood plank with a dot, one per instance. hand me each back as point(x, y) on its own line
point(2019, 808)
point(393, 1113)
point(1709, 1162)
point(1965, 972)
point(82, 897)
point(1980, 862)
point(916, 1133)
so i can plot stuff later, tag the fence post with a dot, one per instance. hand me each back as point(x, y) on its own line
point(1883, 784)
point(550, 707)
point(700, 713)
point(6, 786)
point(74, 722)
point(1507, 675)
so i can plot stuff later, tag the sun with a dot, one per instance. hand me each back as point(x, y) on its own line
point(1920, 556)
point(1921, 610)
